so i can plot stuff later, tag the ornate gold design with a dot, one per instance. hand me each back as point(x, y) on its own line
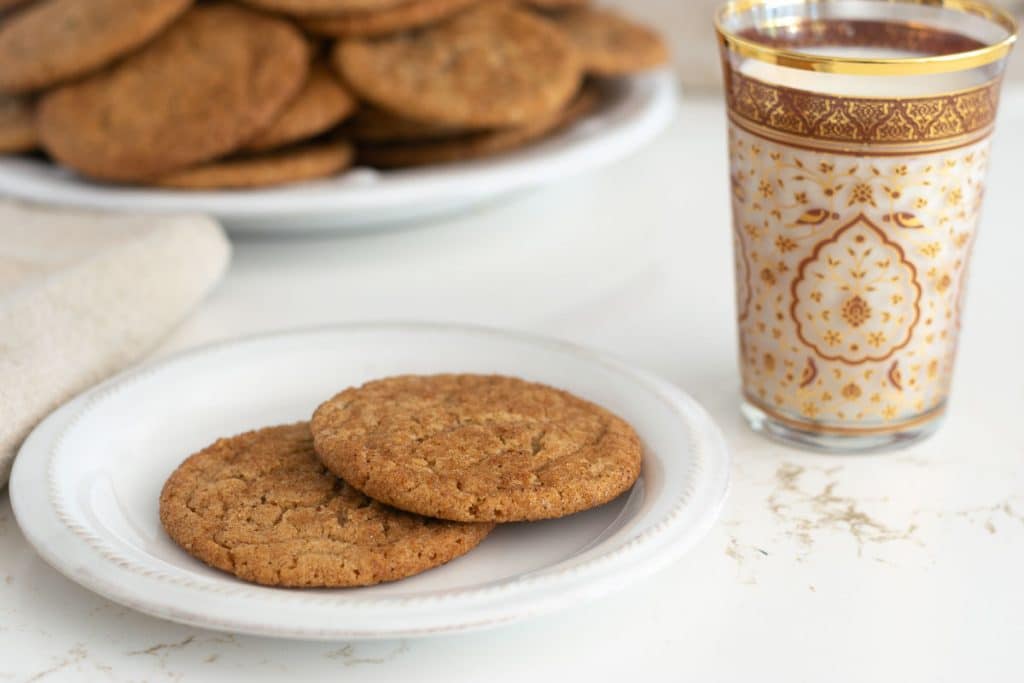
point(844, 293)
point(742, 268)
point(809, 374)
point(860, 121)
point(854, 218)
point(951, 58)
point(895, 377)
point(853, 271)
point(859, 430)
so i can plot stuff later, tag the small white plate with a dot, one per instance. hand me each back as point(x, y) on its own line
point(86, 483)
point(635, 110)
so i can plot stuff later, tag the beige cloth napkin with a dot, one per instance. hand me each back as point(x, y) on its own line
point(83, 295)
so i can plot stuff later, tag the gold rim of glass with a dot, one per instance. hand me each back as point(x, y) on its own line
point(872, 66)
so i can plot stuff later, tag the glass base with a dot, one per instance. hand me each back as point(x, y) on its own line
point(792, 435)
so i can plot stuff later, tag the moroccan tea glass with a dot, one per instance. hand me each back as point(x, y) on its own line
point(858, 140)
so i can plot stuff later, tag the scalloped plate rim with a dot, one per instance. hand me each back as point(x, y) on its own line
point(472, 613)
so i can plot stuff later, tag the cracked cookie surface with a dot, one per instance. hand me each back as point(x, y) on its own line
point(50, 42)
point(491, 66)
point(610, 44)
point(471, 145)
point(262, 506)
point(200, 90)
point(476, 448)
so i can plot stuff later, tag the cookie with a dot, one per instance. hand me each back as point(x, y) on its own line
point(610, 44)
point(17, 125)
point(491, 66)
point(409, 15)
point(278, 167)
point(374, 125)
point(261, 506)
point(321, 104)
point(56, 40)
point(476, 448)
point(556, 4)
point(477, 145)
point(300, 8)
point(199, 91)
point(7, 5)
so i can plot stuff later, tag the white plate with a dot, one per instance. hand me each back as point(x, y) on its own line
point(86, 483)
point(635, 110)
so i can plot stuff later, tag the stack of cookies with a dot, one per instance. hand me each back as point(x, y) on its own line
point(395, 477)
point(205, 95)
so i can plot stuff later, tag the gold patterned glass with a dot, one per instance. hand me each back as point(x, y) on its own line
point(858, 141)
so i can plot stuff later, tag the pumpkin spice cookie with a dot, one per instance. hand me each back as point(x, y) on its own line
point(373, 125)
point(476, 448)
point(6, 5)
point(490, 66)
point(610, 44)
point(198, 91)
point(17, 125)
point(321, 104)
point(409, 15)
point(480, 144)
point(303, 8)
point(261, 506)
point(263, 169)
point(56, 40)
point(556, 4)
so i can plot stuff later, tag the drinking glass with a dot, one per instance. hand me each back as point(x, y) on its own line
point(858, 141)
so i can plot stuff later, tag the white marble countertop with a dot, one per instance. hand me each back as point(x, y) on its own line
point(903, 567)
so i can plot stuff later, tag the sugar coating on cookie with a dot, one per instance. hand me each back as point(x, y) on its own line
point(262, 506)
point(491, 66)
point(610, 44)
point(198, 91)
point(55, 40)
point(476, 447)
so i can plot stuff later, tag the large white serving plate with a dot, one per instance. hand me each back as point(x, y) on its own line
point(86, 483)
point(633, 112)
